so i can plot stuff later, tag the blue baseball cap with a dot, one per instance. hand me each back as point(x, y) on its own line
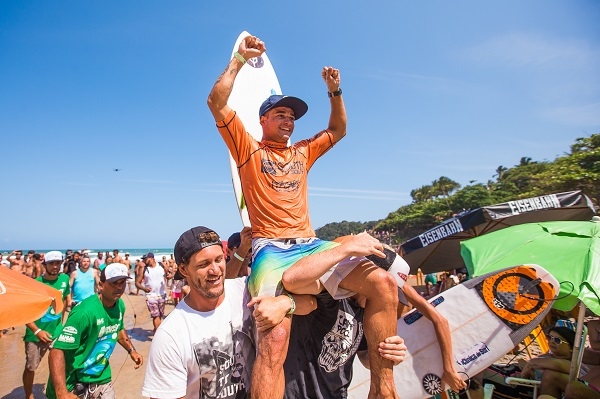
point(298, 106)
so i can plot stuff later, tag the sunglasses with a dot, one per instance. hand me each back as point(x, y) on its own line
point(556, 340)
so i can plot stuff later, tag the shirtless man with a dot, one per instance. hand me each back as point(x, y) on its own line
point(29, 266)
point(130, 283)
point(172, 263)
point(99, 260)
point(17, 263)
point(116, 257)
point(37, 263)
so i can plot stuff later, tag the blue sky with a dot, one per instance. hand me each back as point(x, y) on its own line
point(431, 88)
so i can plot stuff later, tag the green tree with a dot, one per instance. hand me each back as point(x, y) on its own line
point(443, 187)
point(500, 172)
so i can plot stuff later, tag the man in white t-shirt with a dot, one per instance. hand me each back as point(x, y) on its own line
point(152, 278)
point(205, 347)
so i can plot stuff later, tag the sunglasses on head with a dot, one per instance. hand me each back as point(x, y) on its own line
point(555, 340)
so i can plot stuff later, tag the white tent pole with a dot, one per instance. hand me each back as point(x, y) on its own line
point(575, 360)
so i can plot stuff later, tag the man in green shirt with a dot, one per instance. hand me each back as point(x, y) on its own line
point(40, 333)
point(79, 357)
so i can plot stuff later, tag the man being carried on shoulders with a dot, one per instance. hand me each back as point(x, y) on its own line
point(274, 184)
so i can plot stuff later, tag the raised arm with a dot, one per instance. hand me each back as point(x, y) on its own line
point(442, 332)
point(232, 269)
point(250, 47)
point(337, 117)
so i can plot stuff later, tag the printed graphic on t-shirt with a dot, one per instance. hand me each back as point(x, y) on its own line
point(341, 342)
point(221, 367)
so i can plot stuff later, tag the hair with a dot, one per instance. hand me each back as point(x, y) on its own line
point(37, 256)
point(566, 333)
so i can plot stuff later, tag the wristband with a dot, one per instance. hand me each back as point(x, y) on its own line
point(293, 309)
point(130, 350)
point(239, 57)
point(37, 331)
point(238, 256)
point(336, 93)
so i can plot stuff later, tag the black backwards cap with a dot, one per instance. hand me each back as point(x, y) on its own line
point(192, 241)
point(297, 105)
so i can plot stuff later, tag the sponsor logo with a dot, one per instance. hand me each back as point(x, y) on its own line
point(416, 315)
point(473, 354)
point(67, 339)
point(441, 232)
point(498, 303)
point(105, 330)
point(256, 62)
point(534, 204)
point(69, 330)
point(432, 384)
point(100, 321)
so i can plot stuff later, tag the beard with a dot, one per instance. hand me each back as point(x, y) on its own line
point(208, 290)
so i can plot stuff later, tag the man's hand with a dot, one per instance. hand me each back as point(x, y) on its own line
point(44, 336)
point(251, 47)
point(246, 240)
point(393, 349)
point(269, 311)
point(453, 380)
point(331, 76)
point(137, 358)
point(364, 244)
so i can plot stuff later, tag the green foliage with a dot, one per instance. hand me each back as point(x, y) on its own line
point(333, 230)
point(443, 198)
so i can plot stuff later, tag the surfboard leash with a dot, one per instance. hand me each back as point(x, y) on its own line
point(533, 283)
point(130, 335)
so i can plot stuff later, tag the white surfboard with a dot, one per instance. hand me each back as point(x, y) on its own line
point(254, 83)
point(488, 317)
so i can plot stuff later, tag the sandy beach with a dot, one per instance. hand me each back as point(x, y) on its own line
point(127, 380)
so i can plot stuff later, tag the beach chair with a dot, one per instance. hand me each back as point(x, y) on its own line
point(538, 336)
point(536, 384)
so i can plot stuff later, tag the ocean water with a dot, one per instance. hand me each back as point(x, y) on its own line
point(134, 253)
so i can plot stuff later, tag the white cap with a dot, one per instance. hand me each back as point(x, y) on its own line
point(114, 272)
point(53, 256)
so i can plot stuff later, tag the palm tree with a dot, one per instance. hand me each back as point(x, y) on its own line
point(500, 172)
point(525, 161)
point(444, 186)
point(422, 193)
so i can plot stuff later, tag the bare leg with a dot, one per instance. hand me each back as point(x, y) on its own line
point(553, 383)
point(28, 376)
point(381, 291)
point(578, 390)
point(268, 378)
point(156, 322)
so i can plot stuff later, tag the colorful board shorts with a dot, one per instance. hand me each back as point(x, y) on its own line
point(156, 305)
point(272, 257)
